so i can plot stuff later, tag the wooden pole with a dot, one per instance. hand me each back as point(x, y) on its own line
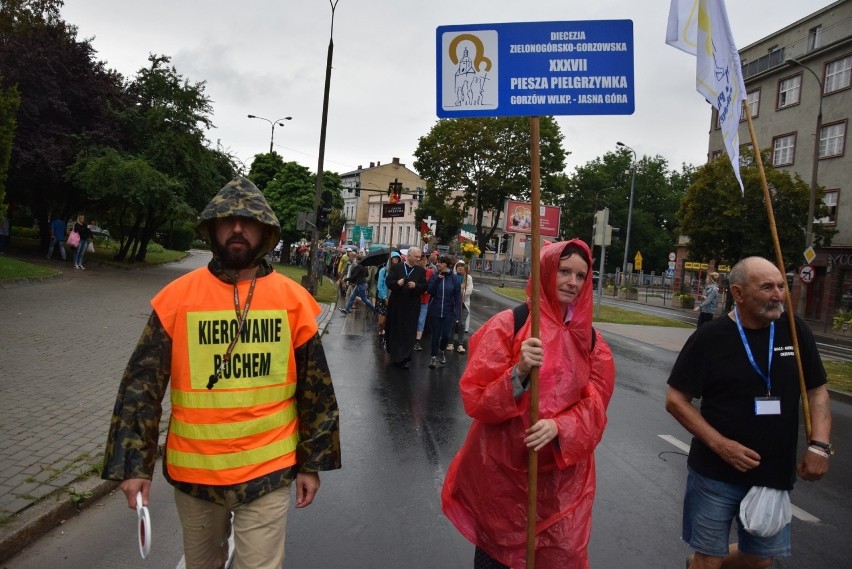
point(779, 259)
point(535, 278)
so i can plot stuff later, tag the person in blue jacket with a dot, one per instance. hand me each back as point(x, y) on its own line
point(444, 308)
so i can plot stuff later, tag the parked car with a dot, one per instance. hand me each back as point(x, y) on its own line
point(98, 232)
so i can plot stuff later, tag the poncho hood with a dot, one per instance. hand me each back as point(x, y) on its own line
point(240, 198)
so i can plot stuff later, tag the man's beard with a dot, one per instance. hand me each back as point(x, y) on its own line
point(237, 260)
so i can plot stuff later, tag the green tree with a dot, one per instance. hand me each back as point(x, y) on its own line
point(440, 205)
point(162, 144)
point(726, 224)
point(291, 190)
point(605, 183)
point(488, 159)
point(65, 96)
point(131, 189)
point(10, 100)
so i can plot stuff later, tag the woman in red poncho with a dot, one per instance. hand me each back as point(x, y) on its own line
point(485, 492)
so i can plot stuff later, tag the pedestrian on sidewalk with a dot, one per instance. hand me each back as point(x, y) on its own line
point(444, 309)
point(5, 232)
point(253, 405)
point(85, 234)
point(485, 491)
point(406, 282)
point(745, 433)
point(57, 236)
point(709, 299)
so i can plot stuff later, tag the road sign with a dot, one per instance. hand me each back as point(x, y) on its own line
point(670, 272)
point(810, 255)
point(807, 274)
point(393, 210)
point(672, 256)
point(637, 260)
point(535, 69)
point(364, 230)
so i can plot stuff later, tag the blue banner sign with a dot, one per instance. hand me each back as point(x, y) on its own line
point(535, 68)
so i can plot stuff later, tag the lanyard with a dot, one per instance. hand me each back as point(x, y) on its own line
point(765, 376)
point(241, 322)
point(405, 268)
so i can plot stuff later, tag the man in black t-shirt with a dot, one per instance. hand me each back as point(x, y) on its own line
point(743, 367)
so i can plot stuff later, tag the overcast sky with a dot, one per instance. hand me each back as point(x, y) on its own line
point(268, 58)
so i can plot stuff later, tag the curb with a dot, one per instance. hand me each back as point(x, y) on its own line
point(50, 512)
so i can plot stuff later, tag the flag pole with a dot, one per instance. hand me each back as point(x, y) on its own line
point(535, 300)
point(791, 319)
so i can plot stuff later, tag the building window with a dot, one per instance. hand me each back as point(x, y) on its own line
point(715, 154)
point(837, 74)
point(783, 150)
point(832, 140)
point(789, 90)
point(717, 124)
point(830, 201)
point(753, 104)
point(814, 38)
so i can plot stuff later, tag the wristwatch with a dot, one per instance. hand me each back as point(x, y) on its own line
point(827, 447)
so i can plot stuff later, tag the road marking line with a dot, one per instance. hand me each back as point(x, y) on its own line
point(797, 511)
point(670, 439)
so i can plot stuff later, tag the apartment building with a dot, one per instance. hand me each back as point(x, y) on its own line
point(365, 189)
point(799, 86)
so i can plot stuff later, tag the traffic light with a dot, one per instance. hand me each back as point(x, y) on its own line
point(420, 194)
point(324, 211)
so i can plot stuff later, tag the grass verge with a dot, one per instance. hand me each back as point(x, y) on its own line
point(839, 375)
point(326, 291)
point(14, 269)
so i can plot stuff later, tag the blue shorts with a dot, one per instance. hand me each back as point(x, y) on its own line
point(709, 507)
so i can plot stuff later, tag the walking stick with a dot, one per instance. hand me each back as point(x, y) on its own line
point(535, 300)
point(791, 318)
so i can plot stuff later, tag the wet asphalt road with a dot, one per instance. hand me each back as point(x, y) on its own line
point(399, 431)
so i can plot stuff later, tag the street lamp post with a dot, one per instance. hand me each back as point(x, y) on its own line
point(809, 232)
point(630, 206)
point(272, 123)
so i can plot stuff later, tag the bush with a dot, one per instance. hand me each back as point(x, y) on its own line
point(25, 232)
point(841, 318)
point(179, 239)
point(686, 300)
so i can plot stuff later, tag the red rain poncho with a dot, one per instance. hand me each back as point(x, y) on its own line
point(485, 492)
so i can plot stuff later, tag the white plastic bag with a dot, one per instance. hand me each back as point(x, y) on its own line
point(765, 511)
point(90, 248)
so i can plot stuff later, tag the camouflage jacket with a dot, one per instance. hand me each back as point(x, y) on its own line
point(132, 445)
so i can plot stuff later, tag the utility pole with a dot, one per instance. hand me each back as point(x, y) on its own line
point(312, 270)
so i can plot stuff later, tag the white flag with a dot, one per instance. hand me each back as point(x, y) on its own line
point(682, 31)
point(701, 27)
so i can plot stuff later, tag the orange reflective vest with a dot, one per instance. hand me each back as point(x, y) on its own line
point(247, 425)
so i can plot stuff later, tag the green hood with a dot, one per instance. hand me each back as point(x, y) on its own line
point(240, 198)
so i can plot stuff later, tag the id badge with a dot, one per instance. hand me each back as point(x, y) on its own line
point(767, 406)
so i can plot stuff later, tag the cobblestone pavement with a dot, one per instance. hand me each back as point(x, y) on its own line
point(66, 342)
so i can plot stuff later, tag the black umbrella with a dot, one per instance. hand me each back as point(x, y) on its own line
point(376, 257)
